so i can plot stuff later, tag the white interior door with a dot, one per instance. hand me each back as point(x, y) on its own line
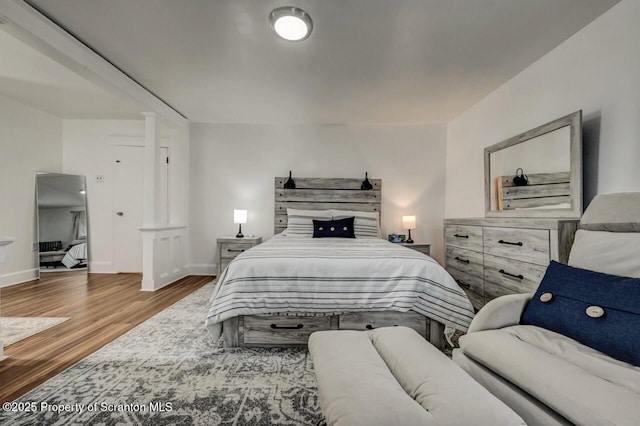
point(128, 208)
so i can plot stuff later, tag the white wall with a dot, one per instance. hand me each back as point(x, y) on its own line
point(234, 166)
point(597, 71)
point(89, 150)
point(30, 141)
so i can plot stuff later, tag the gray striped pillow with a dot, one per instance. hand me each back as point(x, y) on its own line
point(300, 222)
point(366, 224)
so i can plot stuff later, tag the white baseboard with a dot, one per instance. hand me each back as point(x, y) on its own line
point(201, 269)
point(150, 285)
point(19, 277)
point(101, 268)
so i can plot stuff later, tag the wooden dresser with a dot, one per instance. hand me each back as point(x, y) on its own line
point(491, 257)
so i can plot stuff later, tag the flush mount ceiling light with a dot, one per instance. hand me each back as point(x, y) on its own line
point(291, 23)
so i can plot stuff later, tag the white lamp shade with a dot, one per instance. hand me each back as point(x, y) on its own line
point(408, 222)
point(239, 216)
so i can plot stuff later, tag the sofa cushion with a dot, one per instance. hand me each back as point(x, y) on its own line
point(355, 386)
point(596, 309)
point(583, 385)
point(609, 252)
point(618, 212)
point(379, 377)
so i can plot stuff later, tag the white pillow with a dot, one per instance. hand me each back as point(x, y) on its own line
point(615, 253)
point(300, 222)
point(366, 224)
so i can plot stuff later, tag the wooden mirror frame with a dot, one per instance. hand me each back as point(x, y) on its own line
point(575, 179)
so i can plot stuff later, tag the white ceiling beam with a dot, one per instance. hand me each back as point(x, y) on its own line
point(29, 25)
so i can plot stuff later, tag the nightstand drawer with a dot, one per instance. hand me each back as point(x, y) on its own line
point(422, 248)
point(512, 275)
point(228, 248)
point(527, 245)
point(465, 236)
point(231, 250)
point(282, 330)
point(468, 261)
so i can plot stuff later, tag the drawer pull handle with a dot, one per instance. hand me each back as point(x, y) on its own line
point(519, 243)
point(285, 327)
point(459, 259)
point(460, 236)
point(464, 285)
point(520, 277)
point(235, 250)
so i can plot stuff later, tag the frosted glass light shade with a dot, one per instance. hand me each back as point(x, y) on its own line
point(239, 216)
point(408, 222)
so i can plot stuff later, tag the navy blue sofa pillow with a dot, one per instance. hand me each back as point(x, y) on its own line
point(340, 228)
point(599, 310)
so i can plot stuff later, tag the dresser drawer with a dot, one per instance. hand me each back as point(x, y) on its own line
point(513, 275)
point(467, 281)
point(527, 245)
point(468, 261)
point(472, 285)
point(231, 250)
point(371, 320)
point(465, 236)
point(281, 330)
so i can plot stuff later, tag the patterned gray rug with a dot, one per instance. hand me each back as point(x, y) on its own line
point(169, 371)
point(13, 329)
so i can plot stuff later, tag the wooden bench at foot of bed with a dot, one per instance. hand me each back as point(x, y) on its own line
point(291, 330)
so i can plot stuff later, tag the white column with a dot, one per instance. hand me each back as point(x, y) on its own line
point(162, 244)
point(151, 201)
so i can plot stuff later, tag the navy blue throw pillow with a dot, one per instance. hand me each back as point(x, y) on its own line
point(599, 310)
point(340, 228)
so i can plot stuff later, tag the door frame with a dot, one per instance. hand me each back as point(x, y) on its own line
point(136, 141)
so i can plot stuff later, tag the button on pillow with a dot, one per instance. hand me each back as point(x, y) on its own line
point(598, 310)
point(342, 228)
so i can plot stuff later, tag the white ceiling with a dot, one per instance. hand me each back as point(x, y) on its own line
point(367, 61)
point(34, 79)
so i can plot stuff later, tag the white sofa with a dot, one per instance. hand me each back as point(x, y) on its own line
point(547, 378)
point(392, 376)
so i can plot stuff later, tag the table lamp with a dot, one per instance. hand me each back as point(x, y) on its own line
point(409, 223)
point(239, 217)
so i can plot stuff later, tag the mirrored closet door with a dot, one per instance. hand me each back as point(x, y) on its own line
point(62, 223)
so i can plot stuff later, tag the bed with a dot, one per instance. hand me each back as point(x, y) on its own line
point(278, 293)
point(75, 256)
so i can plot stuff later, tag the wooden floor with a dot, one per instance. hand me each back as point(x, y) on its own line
point(101, 308)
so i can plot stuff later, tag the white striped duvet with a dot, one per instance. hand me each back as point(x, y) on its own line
point(335, 275)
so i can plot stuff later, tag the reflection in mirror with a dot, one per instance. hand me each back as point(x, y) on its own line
point(537, 173)
point(62, 222)
point(542, 165)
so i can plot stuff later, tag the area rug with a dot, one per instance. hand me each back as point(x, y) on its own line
point(13, 329)
point(168, 370)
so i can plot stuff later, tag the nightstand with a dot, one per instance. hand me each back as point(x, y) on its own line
point(230, 247)
point(421, 247)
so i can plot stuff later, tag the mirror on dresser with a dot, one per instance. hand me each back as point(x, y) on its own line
point(537, 173)
point(62, 223)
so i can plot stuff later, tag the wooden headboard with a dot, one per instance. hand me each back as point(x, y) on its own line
point(543, 189)
point(324, 194)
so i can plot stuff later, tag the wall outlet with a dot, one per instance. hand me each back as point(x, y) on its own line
point(35, 247)
point(99, 179)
